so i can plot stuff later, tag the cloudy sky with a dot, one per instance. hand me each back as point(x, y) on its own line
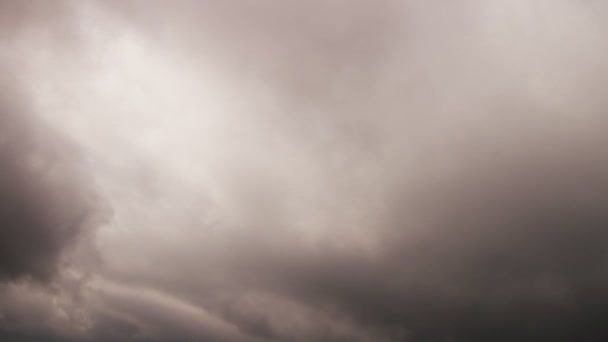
point(304, 170)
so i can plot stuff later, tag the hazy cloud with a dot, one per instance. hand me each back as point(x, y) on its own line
point(304, 171)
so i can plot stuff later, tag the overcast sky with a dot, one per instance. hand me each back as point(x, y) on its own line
point(304, 170)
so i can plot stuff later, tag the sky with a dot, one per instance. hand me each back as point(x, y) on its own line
point(303, 170)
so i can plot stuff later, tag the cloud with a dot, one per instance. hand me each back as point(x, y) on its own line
point(162, 317)
point(49, 208)
point(45, 204)
point(310, 171)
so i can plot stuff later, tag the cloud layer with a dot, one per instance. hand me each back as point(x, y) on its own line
point(304, 171)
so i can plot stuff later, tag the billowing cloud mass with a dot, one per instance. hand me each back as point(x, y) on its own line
point(321, 170)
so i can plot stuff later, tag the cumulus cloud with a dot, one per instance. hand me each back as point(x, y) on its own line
point(395, 170)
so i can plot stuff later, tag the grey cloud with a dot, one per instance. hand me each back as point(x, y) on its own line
point(49, 208)
point(507, 258)
point(45, 206)
point(383, 171)
point(483, 190)
point(158, 316)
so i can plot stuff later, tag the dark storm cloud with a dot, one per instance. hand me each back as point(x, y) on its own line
point(517, 254)
point(383, 171)
point(492, 229)
point(45, 206)
point(49, 208)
